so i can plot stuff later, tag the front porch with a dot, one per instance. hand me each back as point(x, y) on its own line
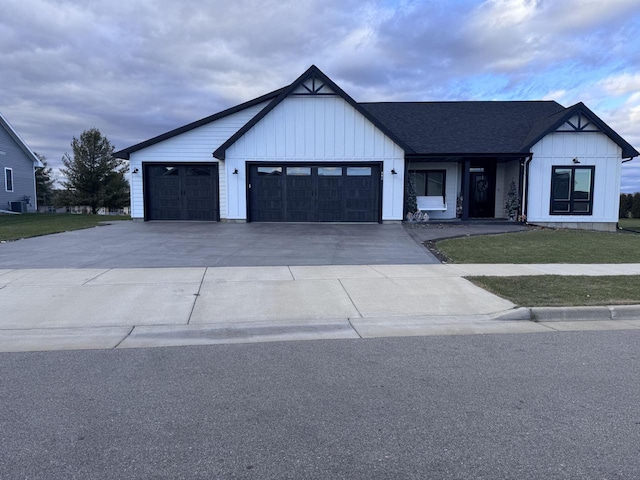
point(471, 188)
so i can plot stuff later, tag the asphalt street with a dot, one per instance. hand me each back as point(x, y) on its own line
point(522, 406)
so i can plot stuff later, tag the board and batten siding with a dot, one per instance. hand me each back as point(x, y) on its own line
point(591, 149)
point(13, 157)
point(193, 146)
point(315, 129)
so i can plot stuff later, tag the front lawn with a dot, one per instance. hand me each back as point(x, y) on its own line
point(544, 246)
point(630, 224)
point(560, 291)
point(13, 227)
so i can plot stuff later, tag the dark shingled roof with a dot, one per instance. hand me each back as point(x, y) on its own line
point(430, 128)
point(463, 127)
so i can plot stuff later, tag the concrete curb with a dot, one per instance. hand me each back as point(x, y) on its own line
point(575, 314)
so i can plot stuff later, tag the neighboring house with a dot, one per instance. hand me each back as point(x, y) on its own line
point(309, 153)
point(17, 166)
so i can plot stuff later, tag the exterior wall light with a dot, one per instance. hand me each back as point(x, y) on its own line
point(575, 160)
point(393, 171)
point(135, 170)
point(235, 171)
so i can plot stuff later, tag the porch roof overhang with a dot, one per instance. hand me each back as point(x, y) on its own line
point(459, 157)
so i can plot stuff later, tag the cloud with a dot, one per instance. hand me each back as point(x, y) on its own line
point(139, 68)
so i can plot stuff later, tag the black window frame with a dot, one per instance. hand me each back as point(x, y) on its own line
point(572, 200)
point(426, 182)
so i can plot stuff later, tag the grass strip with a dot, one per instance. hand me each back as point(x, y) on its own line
point(562, 290)
point(544, 246)
point(630, 224)
point(13, 227)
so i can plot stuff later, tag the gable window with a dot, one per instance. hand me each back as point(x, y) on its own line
point(8, 179)
point(429, 183)
point(572, 190)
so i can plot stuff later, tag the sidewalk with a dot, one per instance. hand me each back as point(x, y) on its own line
point(58, 309)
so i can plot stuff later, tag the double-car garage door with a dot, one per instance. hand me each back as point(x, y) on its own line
point(314, 193)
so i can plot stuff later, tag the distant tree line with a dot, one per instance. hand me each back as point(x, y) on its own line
point(630, 205)
point(94, 177)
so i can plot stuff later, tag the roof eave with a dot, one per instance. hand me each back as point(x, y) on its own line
point(125, 152)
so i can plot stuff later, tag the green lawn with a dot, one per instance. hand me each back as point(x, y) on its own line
point(13, 227)
point(558, 290)
point(630, 224)
point(544, 246)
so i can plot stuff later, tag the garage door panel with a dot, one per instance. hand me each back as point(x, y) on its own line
point(181, 192)
point(328, 193)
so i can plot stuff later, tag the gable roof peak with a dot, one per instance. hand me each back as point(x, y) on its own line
point(4, 123)
point(220, 152)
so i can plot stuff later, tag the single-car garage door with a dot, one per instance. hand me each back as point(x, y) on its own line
point(181, 192)
point(314, 193)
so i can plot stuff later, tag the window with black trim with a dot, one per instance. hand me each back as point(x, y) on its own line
point(572, 190)
point(429, 183)
point(8, 179)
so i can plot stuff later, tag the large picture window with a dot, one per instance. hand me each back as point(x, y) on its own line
point(572, 190)
point(429, 183)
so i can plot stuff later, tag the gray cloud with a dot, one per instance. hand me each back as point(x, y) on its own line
point(136, 69)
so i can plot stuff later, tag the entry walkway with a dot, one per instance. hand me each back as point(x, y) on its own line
point(140, 307)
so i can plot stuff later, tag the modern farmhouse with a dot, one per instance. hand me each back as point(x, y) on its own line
point(308, 152)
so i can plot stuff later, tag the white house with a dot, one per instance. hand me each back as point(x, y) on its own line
point(309, 153)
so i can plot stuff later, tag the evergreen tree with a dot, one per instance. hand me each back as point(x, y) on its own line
point(635, 205)
point(512, 202)
point(44, 182)
point(626, 201)
point(94, 176)
point(410, 200)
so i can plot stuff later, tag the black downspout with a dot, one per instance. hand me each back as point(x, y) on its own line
point(466, 188)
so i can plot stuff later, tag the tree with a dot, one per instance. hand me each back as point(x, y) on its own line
point(116, 191)
point(410, 199)
point(635, 205)
point(44, 182)
point(626, 202)
point(94, 176)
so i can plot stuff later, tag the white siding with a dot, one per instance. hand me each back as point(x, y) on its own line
point(557, 149)
point(195, 145)
point(316, 129)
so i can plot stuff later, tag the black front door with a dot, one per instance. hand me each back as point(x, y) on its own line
point(482, 192)
point(181, 192)
point(314, 193)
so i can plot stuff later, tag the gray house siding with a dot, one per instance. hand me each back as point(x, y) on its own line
point(13, 156)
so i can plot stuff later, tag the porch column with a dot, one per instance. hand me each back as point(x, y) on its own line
point(466, 188)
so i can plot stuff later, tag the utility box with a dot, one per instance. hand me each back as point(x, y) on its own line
point(20, 207)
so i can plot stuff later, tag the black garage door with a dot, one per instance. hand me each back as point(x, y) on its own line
point(181, 192)
point(314, 193)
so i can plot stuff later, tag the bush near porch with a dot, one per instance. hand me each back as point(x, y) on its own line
point(544, 246)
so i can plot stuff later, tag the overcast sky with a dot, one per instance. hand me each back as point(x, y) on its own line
point(137, 68)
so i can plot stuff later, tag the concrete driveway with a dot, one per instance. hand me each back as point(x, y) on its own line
point(204, 244)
